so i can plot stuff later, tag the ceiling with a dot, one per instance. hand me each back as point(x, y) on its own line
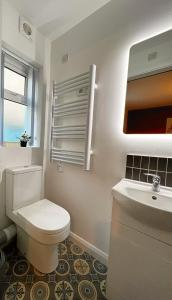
point(54, 17)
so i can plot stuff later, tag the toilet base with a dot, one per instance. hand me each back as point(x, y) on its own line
point(43, 257)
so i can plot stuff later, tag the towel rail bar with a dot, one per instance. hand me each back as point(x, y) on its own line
point(73, 79)
point(72, 119)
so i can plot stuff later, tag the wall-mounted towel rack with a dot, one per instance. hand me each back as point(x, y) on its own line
point(72, 119)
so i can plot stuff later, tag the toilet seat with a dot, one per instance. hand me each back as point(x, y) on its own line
point(44, 221)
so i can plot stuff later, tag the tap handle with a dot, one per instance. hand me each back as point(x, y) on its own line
point(155, 177)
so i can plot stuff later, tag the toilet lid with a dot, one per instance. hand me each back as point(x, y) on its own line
point(45, 216)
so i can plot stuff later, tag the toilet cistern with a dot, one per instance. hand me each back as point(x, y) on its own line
point(155, 181)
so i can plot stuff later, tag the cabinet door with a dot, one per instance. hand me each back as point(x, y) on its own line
point(140, 267)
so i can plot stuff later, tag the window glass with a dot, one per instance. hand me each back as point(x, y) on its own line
point(15, 120)
point(14, 82)
point(17, 106)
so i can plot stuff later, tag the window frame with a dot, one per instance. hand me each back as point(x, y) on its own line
point(17, 65)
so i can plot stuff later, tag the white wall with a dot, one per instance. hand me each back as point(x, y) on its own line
point(34, 53)
point(32, 50)
point(87, 195)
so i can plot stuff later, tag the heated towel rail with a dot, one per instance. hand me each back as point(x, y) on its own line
point(72, 119)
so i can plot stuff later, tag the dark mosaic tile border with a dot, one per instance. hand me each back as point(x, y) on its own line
point(137, 165)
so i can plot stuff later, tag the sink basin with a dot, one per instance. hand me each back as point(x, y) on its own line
point(141, 193)
point(139, 207)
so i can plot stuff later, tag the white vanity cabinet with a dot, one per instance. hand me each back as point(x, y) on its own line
point(140, 262)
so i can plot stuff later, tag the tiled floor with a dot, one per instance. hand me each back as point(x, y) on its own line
point(78, 276)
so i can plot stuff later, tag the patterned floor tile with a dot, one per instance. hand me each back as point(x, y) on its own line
point(78, 276)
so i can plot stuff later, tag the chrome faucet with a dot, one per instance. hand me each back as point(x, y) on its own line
point(155, 181)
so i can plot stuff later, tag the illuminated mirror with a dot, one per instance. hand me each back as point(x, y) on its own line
point(148, 107)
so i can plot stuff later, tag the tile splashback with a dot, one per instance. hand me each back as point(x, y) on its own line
point(137, 165)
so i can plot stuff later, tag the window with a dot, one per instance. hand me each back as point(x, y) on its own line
point(13, 82)
point(17, 101)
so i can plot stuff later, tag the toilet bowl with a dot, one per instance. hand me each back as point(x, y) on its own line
point(41, 224)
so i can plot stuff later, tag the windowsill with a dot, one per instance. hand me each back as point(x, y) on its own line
point(17, 145)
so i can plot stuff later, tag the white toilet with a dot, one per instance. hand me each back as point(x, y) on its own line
point(41, 224)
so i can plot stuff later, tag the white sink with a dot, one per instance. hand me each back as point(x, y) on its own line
point(142, 193)
point(142, 208)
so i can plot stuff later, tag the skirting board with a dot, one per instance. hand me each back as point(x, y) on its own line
point(91, 249)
